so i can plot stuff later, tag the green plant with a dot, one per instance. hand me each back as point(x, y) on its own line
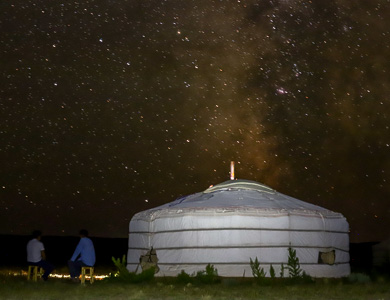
point(272, 272)
point(257, 271)
point(144, 276)
point(358, 278)
point(184, 278)
point(122, 274)
point(293, 266)
point(121, 266)
point(282, 268)
point(210, 275)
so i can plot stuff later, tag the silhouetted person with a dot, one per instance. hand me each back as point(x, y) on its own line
point(83, 256)
point(36, 254)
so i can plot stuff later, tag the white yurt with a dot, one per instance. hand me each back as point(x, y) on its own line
point(235, 221)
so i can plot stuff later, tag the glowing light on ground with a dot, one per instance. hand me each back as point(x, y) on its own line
point(53, 275)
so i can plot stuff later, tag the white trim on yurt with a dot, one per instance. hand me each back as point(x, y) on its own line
point(237, 220)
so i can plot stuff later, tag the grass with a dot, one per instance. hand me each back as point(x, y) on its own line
point(17, 287)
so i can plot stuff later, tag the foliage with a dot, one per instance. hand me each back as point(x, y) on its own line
point(257, 271)
point(293, 266)
point(121, 266)
point(184, 278)
point(14, 285)
point(358, 278)
point(282, 268)
point(207, 276)
point(122, 274)
point(210, 275)
point(144, 276)
point(272, 272)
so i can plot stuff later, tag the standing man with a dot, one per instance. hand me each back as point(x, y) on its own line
point(83, 256)
point(36, 254)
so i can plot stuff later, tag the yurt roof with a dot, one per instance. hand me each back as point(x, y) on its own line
point(240, 195)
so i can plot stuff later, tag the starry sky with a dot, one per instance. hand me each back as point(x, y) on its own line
point(111, 107)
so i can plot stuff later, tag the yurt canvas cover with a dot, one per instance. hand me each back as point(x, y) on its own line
point(230, 223)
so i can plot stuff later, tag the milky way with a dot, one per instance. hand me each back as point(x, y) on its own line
point(112, 107)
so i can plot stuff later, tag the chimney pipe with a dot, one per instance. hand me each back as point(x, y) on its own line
point(232, 170)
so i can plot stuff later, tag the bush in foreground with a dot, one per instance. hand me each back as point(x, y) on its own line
point(123, 275)
point(207, 276)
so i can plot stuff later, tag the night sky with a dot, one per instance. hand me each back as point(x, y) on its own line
point(111, 107)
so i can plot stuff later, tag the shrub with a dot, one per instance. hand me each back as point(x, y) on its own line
point(297, 275)
point(144, 276)
point(184, 278)
point(282, 268)
point(121, 267)
point(122, 274)
point(293, 266)
point(210, 275)
point(358, 278)
point(257, 271)
point(272, 272)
